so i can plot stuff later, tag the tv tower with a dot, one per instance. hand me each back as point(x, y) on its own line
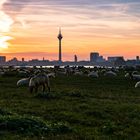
point(60, 49)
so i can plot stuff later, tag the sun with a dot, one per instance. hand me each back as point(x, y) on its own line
point(4, 41)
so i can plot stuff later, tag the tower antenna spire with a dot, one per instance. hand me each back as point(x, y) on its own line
point(59, 30)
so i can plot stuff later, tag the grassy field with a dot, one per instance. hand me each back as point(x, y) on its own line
point(76, 108)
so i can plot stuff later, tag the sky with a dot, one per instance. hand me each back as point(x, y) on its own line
point(29, 28)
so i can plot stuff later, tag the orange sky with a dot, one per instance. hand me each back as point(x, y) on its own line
point(31, 31)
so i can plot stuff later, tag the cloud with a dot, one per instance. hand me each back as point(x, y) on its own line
point(13, 8)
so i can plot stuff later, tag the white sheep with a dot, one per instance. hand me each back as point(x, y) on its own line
point(78, 73)
point(23, 82)
point(137, 85)
point(132, 76)
point(61, 73)
point(93, 74)
point(51, 75)
point(110, 74)
point(135, 72)
point(40, 79)
point(135, 76)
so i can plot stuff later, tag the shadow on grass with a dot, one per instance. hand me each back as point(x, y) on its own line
point(47, 95)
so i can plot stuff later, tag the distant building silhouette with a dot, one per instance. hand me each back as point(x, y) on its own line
point(60, 49)
point(94, 56)
point(117, 60)
point(137, 58)
point(2, 59)
point(23, 59)
point(114, 58)
point(75, 58)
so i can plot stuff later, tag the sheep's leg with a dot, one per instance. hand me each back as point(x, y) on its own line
point(36, 89)
point(31, 89)
point(48, 86)
point(43, 87)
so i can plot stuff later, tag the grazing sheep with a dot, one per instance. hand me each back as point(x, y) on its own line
point(23, 82)
point(137, 85)
point(61, 73)
point(78, 73)
point(2, 73)
point(22, 74)
point(103, 71)
point(68, 70)
point(93, 74)
point(40, 79)
point(135, 72)
point(127, 75)
point(110, 74)
point(51, 75)
point(135, 76)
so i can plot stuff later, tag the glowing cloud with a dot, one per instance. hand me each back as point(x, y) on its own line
point(3, 41)
point(5, 25)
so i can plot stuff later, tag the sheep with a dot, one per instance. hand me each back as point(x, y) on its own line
point(110, 74)
point(93, 74)
point(135, 72)
point(127, 75)
point(78, 73)
point(51, 75)
point(23, 82)
point(133, 76)
point(22, 74)
point(137, 85)
point(2, 73)
point(40, 79)
point(69, 71)
point(61, 73)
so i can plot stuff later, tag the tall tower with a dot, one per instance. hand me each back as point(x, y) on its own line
point(60, 49)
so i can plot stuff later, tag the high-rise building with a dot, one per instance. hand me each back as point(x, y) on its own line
point(2, 59)
point(60, 49)
point(94, 56)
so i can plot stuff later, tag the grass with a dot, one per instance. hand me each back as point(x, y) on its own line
point(76, 108)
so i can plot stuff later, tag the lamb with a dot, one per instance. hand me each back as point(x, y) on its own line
point(137, 85)
point(40, 79)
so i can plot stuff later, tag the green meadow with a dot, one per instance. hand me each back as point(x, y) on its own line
point(77, 108)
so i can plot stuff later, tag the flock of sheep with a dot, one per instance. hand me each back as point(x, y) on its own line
point(40, 77)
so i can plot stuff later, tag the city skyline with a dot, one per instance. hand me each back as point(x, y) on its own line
point(111, 27)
